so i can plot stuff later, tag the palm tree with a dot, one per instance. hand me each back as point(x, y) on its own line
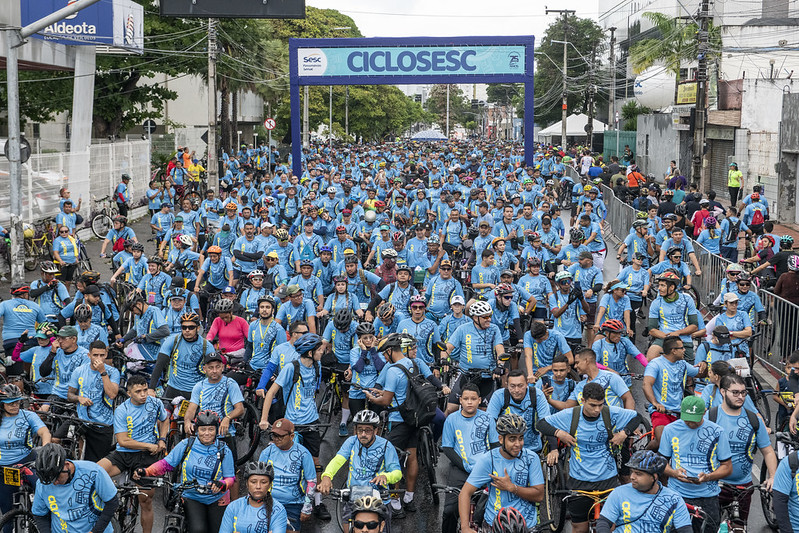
point(676, 43)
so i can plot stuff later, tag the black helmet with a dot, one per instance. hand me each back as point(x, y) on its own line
point(576, 234)
point(50, 462)
point(133, 298)
point(673, 250)
point(509, 520)
point(207, 418)
point(259, 468)
point(511, 424)
point(647, 461)
point(681, 210)
point(342, 319)
point(365, 328)
point(83, 312)
point(137, 247)
point(268, 299)
point(389, 342)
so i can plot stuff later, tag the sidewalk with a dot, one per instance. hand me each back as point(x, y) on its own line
point(787, 229)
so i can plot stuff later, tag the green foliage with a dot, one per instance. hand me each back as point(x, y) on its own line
point(436, 105)
point(584, 34)
point(503, 93)
point(630, 112)
point(42, 95)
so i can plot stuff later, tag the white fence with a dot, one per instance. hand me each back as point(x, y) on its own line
point(93, 173)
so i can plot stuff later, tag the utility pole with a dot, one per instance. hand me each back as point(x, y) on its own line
point(306, 135)
point(564, 103)
point(213, 164)
point(16, 37)
point(701, 88)
point(589, 128)
point(612, 107)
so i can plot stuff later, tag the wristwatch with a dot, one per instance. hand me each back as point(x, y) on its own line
point(103, 373)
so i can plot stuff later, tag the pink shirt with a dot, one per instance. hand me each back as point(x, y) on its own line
point(233, 336)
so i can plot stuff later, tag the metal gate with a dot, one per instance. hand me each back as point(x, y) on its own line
point(721, 153)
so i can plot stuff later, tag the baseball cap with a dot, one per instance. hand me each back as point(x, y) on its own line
point(730, 297)
point(445, 262)
point(211, 357)
point(457, 299)
point(273, 255)
point(692, 409)
point(68, 331)
point(91, 289)
point(385, 227)
point(293, 289)
point(619, 285)
point(229, 290)
point(283, 427)
point(41, 335)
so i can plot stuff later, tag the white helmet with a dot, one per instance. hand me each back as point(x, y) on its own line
point(389, 252)
point(370, 216)
point(187, 240)
point(331, 190)
point(481, 308)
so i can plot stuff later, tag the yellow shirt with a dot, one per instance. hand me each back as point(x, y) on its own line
point(194, 171)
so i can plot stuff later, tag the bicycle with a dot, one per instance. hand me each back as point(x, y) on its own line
point(127, 513)
point(20, 516)
point(330, 402)
point(731, 513)
point(75, 439)
point(174, 521)
point(552, 508)
point(103, 220)
point(598, 496)
point(38, 243)
point(475, 517)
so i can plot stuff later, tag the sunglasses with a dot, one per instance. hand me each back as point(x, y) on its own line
point(445, 268)
point(418, 307)
point(63, 231)
point(189, 328)
point(565, 282)
point(301, 332)
point(372, 524)
point(744, 284)
point(507, 297)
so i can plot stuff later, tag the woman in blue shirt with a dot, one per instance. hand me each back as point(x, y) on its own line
point(257, 511)
point(208, 461)
point(710, 237)
point(17, 430)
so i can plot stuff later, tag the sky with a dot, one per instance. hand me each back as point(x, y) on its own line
point(414, 18)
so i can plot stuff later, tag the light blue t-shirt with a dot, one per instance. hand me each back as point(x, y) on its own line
point(264, 339)
point(785, 483)
point(79, 502)
point(634, 511)
point(426, 335)
point(614, 356)
point(300, 398)
point(343, 341)
point(474, 348)
point(524, 471)
point(242, 517)
point(294, 468)
point(89, 384)
point(545, 351)
point(366, 463)
point(470, 437)
point(203, 463)
point(669, 380)
point(524, 408)
point(393, 379)
point(139, 422)
point(614, 386)
point(220, 397)
point(185, 360)
point(744, 442)
point(16, 436)
point(698, 451)
point(673, 316)
point(568, 324)
point(64, 365)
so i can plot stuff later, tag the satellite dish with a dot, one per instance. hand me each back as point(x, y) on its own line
point(654, 88)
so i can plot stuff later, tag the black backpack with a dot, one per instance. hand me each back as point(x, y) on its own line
point(732, 233)
point(421, 398)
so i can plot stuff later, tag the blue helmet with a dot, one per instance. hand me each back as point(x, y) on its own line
point(308, 343)
point(647, 461)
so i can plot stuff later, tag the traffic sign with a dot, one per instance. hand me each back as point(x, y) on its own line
point(24, 149)
point(149, 126)
point(270, 123)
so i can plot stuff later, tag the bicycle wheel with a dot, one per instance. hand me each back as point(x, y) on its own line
point(427, 461)
point(248, 434)
point(326, 410)
point(761, 401)
point(693, 293)
point(101, 225)
point(128, 514)
point(21, 520)
point(553, 508)
point(766, 500)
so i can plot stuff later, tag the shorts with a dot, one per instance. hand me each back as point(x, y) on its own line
point(403, 436)
point(591, 314)
point(129, 461)
point(68, 271)
point(580, 507)
point(575, 207)
point(486, 386)
point(311, 439)
point(293, 515)
point(540, 312)
point(662, 419)
point(99, 443)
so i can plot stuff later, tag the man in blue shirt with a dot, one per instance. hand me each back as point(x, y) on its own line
point(699, 457)
point(521, 484)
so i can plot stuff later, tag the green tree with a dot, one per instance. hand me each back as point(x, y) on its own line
point(585, 35)
point(630, 112)
point(436, 104)
point(675, 41)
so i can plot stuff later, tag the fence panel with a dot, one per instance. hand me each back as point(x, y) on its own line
point(775, 341)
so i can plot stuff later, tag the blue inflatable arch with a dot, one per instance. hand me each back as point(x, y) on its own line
point(406, 61)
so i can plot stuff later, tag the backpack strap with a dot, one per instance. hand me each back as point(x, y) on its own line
point(576, 413)
point(793, 462)
point(185, 453)
point(608, 423)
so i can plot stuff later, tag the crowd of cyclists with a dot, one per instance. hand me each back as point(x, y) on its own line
point(418, 298)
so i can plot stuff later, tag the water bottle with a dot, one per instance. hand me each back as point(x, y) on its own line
point(723, 528)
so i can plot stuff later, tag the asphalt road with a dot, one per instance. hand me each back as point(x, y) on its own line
point(428, 516)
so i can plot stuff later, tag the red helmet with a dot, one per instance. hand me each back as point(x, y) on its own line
point(613, 325)
point(503, 288)
point(755, 196)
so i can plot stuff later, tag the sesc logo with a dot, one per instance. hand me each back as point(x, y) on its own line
point(312, 61)
point(514, 60)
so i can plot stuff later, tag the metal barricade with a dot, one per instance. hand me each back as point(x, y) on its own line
point(778, 338)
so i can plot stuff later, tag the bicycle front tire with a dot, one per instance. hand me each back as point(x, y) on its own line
point(248, 434)
point(425, 456)
point(761, 401)
point(101, 225)
point(553, 508)
point(326, 410)
point(22, 521)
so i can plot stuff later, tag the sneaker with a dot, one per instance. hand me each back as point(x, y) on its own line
point(321, 512)
point(342, 430)
point(397, 515)
point(409, 506)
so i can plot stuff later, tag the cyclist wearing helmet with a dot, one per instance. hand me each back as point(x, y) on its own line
point(729, 284)
point(779, 261)
point(730, 229)
point(569, 309)
point(450, 323)
point(509, 520)
point(535, 248)
point(614, 347)
point(568, 254)
point(264, 335)
point(755, 214)
point(306, 244)
point(397, 293)
point(247, 253)
point(181, 357)
point(368, 515)
point(678, 240)
point(638, 241)
point(518, 465)
point(541, 346)
point(525, 400)
point(219, 270)
point(63, 494)
point(340, 339)
point(182, 260)
point(88, 331)
point(467, 435)
point(209, 462)
point(325, 268)
point(373, 460)
point(644, 504)
point(506, 311)
point(296, 473)
point(134, 267)
point(161, 221)
point(673, 263)
point(590, 431)
point(253, 293)
point(341, 242)
point(366, 363)
point(615, 305)
point(117, 235)
point(155, 284)
point(386, 322)
point(421, 328)
point(45, 334)
point(66, 251)
point(257, 510)
point(48, 292)
point(474, 346)
point(671, 314)
point(710, 236)
point(311, 285)
point(440, 290)
point(149, 328)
